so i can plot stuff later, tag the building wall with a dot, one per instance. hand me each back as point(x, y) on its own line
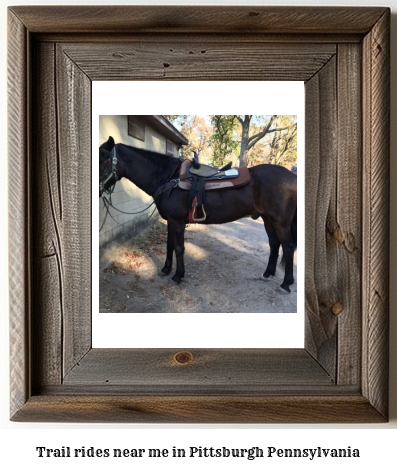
point(126, 197)
point(117, 126)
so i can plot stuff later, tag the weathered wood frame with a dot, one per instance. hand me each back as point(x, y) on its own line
point(343, 56)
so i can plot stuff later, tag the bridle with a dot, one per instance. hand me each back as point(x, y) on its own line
point(113, 173)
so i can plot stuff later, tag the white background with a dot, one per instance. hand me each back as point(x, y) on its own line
point(230, 330)
point(18, 441)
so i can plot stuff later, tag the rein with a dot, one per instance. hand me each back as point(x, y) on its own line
point(108, 203)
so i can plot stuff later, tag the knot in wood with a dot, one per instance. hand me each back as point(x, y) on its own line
point(337, 308)
point(183, 358)
point(338, 235)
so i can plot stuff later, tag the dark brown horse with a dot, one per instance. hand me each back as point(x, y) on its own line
point(271, 194)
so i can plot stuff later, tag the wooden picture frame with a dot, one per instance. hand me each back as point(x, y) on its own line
point(342, 54)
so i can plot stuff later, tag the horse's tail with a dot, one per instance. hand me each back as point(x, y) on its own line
point(294, 234)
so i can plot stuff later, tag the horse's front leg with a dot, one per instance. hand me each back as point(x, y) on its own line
point(170, 253)
point(177, 230)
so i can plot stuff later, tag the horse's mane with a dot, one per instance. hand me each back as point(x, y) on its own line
point(157, 156)
point(161, 165)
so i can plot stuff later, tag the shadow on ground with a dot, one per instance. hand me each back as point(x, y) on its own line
point(223, 267)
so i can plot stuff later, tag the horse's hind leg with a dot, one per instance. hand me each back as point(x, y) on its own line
point(170, 252)
point(274, 244)
point(177, 230)
point(288, 252)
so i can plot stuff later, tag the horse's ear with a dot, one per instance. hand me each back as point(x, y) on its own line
point(108, 145)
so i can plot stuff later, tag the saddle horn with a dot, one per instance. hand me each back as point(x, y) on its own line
point(196, 163)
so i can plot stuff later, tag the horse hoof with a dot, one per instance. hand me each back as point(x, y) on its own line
point(282, 290)
point(163, 273)
point(176, 281)
point(263, 278)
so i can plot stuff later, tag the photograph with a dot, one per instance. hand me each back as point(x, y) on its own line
point(198, 213)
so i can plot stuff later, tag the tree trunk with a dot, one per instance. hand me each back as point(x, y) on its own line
point(245, 132)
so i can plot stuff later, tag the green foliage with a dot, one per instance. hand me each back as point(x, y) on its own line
point(224, 139)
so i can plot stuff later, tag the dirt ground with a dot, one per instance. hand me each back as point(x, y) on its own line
point(223, 266)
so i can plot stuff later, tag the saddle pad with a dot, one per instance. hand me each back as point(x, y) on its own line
point(243, 178)
point(211, 173)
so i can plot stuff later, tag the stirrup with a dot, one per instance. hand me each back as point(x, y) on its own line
point(195, 210)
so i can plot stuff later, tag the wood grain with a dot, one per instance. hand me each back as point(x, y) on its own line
point(227, 369)
point(341, 375)
point(346, 227)
point(199, 409)
point(225, 59)
point(47, 296)
point(376, 90)
point(197, 20)
point(73, 89)
point(333, 215)
point(19, 223)
point(62, 223)
point(320, 173)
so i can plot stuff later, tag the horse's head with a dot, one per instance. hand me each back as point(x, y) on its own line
point(107, 165)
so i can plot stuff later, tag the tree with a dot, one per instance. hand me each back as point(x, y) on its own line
point(244, 139)
point(267, 126)
point(197, 129)
point(223, 139)
point(176, 119)
point(259, 154)
point(283, 144)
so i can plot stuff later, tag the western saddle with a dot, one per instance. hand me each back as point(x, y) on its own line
point(198, 178)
